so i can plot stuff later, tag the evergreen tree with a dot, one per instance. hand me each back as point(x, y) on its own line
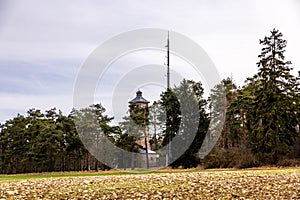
point(217, 115)
point(186, 123)
point(48, 141)
point(274, 110)
point(171, 115)
point(72, 150)
point(156, 124)
point(14, 139)
point(127, 140)
point(96, 134)
point(190, 94)
point(230, 132)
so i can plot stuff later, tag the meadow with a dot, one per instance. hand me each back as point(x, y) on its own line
point(165, 184)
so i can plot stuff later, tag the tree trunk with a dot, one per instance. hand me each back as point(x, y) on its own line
point(146, 145)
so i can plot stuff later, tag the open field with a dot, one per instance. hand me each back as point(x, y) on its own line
point(192, 184)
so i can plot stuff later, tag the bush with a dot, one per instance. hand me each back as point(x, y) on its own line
point(217, 158)
point(244, 158)
point(231, 158)
point(288, 162)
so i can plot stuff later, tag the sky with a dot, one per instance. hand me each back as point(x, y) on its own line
point(43, 44)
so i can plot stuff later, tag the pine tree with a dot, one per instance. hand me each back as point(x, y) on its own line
point(186, 123)
point(229, 135)
point(96, 134)
point(130, 133)
point(274, 107)
point(171, 106)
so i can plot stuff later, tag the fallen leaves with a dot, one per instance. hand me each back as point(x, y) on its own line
point(188, 185)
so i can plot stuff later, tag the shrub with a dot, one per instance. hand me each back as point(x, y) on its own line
point(231, 158)
point(288, 162)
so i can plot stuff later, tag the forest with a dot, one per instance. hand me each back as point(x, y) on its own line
point(260, 124)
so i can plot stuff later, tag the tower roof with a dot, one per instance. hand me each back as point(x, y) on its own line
point(139, 98)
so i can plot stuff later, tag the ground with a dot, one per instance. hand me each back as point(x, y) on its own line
point(191, 184)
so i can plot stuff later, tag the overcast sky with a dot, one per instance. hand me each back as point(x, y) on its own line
point(43, 44)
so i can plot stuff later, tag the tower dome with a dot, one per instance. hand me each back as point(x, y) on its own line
point(139, 99)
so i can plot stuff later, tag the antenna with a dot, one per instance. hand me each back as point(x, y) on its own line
point(168, 87)
point(168, 61)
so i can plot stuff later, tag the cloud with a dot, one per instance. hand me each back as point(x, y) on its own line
point(52, 77)
point(43, 44)
point(11, 104)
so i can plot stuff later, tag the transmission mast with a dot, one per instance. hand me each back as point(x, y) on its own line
point(168, 87)
point(168, 61)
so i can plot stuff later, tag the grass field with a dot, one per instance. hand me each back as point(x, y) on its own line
point(166, 184)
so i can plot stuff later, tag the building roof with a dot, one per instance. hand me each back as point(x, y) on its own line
point(139, 98)
point(149, 151)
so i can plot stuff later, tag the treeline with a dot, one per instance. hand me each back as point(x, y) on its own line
point(258, 124)
point(262, 117)
point(42, 142)
point(50, 141)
